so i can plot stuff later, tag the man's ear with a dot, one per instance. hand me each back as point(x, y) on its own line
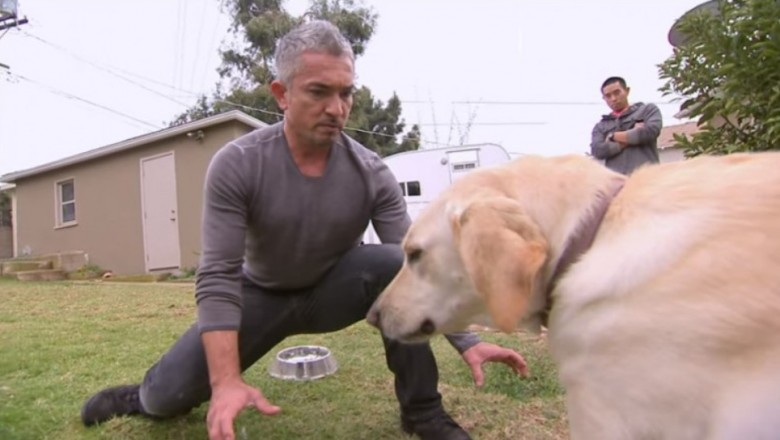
point(279, 91)
point(502, 250)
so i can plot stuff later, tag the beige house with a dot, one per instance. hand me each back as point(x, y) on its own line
point(6, 225)
point(132, 207)
point(667, 149)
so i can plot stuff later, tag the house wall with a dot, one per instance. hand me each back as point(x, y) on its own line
point(6, 242)
point(191, 165)
point(108, 203)
point(107, 228)
point(671, 154)
point(6, 227)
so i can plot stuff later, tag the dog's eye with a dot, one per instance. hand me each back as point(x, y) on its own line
point(413, 255)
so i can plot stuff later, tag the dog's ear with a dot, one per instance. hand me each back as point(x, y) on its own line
point(502, 250)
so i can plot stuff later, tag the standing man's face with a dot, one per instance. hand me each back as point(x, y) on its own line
point(318, 100)
point(616, 96)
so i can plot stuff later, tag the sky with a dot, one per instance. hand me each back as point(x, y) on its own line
point(524, 74)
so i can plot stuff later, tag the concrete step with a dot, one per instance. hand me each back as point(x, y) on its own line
point(41, 275)
point(10, 267)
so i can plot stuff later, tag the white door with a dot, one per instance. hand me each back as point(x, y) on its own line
point(160, 216)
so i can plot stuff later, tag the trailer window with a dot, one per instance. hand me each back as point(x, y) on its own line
point(413, 188)
point(464, 166)
point(410, 188)
point(462, 162)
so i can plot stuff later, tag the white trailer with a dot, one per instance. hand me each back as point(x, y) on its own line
point(423, 174)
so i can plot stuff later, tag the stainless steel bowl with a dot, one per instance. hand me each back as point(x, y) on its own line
point(303, 362)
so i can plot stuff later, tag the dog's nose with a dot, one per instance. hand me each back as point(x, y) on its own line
point(427, 327)
point(373, 317)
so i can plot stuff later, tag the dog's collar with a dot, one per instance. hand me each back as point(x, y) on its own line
point(580, 242)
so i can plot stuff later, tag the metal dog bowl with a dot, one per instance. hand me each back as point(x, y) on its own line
point(303, 362)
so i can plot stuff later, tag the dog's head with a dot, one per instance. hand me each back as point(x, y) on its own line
point(466, 258)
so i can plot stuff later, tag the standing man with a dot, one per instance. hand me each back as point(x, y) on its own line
point(626, 138)
point(285, 208)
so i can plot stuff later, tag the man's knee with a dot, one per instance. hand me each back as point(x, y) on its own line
point(179, 381)
point(383, 260)
point(163, 401)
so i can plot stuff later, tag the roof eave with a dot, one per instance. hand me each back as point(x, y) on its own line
point(133, 143)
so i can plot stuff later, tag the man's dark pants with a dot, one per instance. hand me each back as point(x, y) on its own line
point(179, 381)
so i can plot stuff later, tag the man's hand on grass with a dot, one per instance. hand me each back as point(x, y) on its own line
point(483, 352)
point(227, 401)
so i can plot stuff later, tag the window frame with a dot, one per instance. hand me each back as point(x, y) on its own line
point(411, 188)
point(59, 203)
point(463, 161)
point(414, 188)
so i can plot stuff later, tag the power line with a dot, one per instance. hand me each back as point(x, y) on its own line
point(431, 124)
point(51, 89)
point(176, 42)
point(107, 66)
point(109, 71)
point(180, 45)
point(212, 45)
point(157, 127)
point(246, 107)
point(526, 103)
point(86, 101)
point(197, 43)
point(355, 129)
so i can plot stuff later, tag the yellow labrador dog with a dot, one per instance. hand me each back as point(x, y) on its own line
point(662, 289)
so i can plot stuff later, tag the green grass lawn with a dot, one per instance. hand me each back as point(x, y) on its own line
point(62, 341)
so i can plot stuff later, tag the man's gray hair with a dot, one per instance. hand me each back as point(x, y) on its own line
point(315, 36)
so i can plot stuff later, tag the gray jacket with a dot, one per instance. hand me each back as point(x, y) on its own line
point(642, 141)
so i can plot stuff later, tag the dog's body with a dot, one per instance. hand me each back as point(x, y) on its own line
point(666, 327)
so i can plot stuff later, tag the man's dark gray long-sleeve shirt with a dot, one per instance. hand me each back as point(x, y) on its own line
point(642, 141)
point(285, 230)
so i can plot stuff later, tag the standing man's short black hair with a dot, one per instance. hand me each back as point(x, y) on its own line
point(613, 79)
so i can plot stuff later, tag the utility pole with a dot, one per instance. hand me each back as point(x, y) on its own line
point(9, 15)
point(9, 18)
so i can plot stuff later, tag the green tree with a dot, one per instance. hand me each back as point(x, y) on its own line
point(728, 74)
point(248, 67)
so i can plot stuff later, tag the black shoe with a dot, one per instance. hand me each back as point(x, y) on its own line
point(111, 402)
point(439, 427)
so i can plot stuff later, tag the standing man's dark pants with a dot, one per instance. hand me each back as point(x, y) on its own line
point(179, 381)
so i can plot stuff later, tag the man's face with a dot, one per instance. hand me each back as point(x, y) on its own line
point(616, 96)
point(319, 98)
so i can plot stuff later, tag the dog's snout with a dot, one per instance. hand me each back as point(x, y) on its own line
point(427, 327)
point(374, 317)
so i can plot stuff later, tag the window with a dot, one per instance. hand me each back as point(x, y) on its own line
point(410, 188)
point(5, 209)
point(465, 160)
point(413, 188)
point(66, 203)
point(464, 166)
point(461, 162)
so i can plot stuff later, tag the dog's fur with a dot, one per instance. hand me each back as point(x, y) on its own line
point(667, 327)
